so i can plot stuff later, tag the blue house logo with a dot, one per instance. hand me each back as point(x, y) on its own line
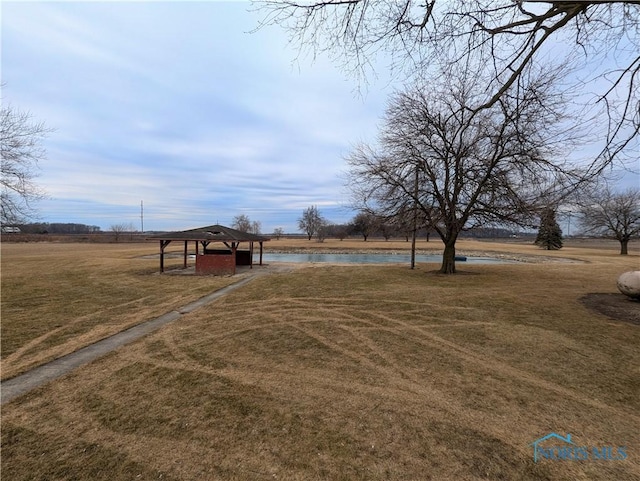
point(564, 449)
point(538, 449)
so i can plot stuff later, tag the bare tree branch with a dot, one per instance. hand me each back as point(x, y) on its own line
point(20, 151)
point(474, 168)
point(510, 35)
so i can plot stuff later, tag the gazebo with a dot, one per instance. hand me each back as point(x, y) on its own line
point(221, 260)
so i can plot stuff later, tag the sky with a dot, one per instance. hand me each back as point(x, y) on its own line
point(179, 106)
point(183, 107)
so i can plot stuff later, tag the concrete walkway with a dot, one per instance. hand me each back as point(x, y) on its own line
point(22, 384)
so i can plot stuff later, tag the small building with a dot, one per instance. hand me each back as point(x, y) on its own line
point(219, 259)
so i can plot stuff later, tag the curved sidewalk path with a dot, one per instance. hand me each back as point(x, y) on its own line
point(22, 384)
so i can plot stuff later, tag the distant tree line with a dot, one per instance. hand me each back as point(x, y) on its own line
point(603, 212)
point(58, 228)
point(366, 225)
point(393, 231)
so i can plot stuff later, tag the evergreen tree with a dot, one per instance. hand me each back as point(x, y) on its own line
point(549, 233)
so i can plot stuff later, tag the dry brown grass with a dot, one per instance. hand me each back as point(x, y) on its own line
point(517, 247)
point(57, 298)
point(348, 373)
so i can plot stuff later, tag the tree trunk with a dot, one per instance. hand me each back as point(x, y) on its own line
point(449, 259)
point(624, 247)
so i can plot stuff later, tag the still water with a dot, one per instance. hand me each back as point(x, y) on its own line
point(371, 258)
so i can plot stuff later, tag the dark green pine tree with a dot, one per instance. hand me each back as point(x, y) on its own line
point(549, 234)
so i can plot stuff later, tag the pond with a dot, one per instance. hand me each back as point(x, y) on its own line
point(371, 258)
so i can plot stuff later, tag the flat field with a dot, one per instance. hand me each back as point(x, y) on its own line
point(57, 298)
point(326, 372)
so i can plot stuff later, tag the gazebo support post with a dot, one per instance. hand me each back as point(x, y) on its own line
point(251, 255)
point(234, 248)
point(261, 252)
point(163, 245)
point(184, 264)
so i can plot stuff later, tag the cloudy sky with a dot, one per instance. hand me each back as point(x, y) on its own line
point(178, 105)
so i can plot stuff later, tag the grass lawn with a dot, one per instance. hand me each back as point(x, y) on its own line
point(334, 373)
point(57, 298)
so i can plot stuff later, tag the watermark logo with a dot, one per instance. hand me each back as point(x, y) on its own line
point(556, 447)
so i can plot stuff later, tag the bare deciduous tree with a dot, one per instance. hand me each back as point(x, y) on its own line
point(311, 221)
point(323, 230)
point(612, 214)
point(21, 150)
point(242, 223)
point(462, 168)
point(507, 35)
point(339, 231)
point(365, 224)
point(123, 228)
point(256, 227)
point(278, 232)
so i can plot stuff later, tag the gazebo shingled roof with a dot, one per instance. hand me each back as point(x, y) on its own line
point(205, 235)
point(211, 233)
